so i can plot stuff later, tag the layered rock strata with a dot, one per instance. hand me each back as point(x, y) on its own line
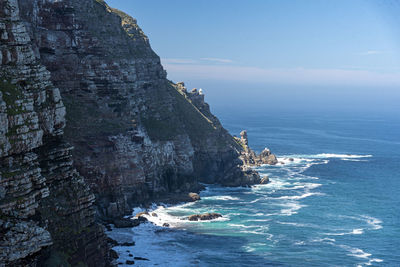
point(46, 209)
point(137, 135)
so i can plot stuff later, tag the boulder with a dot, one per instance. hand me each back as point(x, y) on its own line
point(113, 254)
point(165, 225)
point(127, 244)
point(129, 262)
point(194, 196)
point(141, 213)
point(204, 217)
point(126, 223)
point(271, 160)
point(142, 219)
point(265, 180)
point(265, 153)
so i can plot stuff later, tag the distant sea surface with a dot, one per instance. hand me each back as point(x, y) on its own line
point(336, 204)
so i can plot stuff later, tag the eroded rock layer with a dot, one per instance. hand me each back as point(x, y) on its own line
point(137, 135)
point(46, 210)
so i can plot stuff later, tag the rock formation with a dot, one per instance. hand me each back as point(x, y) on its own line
point(250, 158)
point(80, 72)
point(46, 209)
point(136, 134)
point(204, 217)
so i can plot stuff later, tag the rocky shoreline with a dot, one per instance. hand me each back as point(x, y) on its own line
point(91, 127)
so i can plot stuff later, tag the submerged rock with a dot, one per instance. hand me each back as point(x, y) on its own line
point(126, 223)
point(204, 217)
point(127, 244)
point(140, 259)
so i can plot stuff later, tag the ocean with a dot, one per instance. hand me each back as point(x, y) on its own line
point(336, 204)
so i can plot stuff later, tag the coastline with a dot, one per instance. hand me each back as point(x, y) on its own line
point(158, 243)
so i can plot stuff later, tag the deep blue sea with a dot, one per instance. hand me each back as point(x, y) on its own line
point(336, 204)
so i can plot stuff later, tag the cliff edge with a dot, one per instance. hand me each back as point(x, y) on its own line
point(137, 135)
point(82, 73)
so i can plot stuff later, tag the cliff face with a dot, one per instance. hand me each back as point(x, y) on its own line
point(136, 135)
point(46, 210)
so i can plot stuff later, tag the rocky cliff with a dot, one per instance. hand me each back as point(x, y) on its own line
point(80, 72)
point(250, 158)
point(46, 209)
point(137, 135)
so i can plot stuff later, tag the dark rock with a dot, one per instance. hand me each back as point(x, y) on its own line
point(142, 219)
point(265, 180)
point(204, 217)
point(154, 214)
point(129, 262)
point(291, 159)
point(126, 223)
point(112, 242)
point(165, 225)
point(141, 213)
point(130, 255)
point(127, 244)
point(141, 259)
point(113, 254)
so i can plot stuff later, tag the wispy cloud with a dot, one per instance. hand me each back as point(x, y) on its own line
point(299, 76)
point(373, 52)
point(218, 60)
point(178, 61)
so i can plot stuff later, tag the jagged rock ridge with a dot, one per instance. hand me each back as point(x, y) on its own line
point(250, 158)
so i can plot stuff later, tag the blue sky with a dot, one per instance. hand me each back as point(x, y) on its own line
point(285, 44)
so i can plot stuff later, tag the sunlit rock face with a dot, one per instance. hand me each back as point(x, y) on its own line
point(45, 206)
point(79, 72)
point(137, 136)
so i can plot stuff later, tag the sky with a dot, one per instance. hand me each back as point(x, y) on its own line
point(288, 51)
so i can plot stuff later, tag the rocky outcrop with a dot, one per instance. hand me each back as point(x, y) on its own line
point(46, 209)
point(80, 72)
point(250, 158)
point(137, 135)
point(204, 217)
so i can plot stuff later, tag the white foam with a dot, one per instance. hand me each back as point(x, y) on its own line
point(240, 225)
point(346, 156)
point(326, 239)
point(298, 224)
point(293, 207)
point(222, 198)
point(373, 260)
point(356, 252)
point(307, 194)
point(358, 231)
point(375, 223)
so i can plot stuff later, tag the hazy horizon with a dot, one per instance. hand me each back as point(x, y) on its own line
point(315, 55)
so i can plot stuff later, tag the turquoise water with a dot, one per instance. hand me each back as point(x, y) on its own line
point(336, 204)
